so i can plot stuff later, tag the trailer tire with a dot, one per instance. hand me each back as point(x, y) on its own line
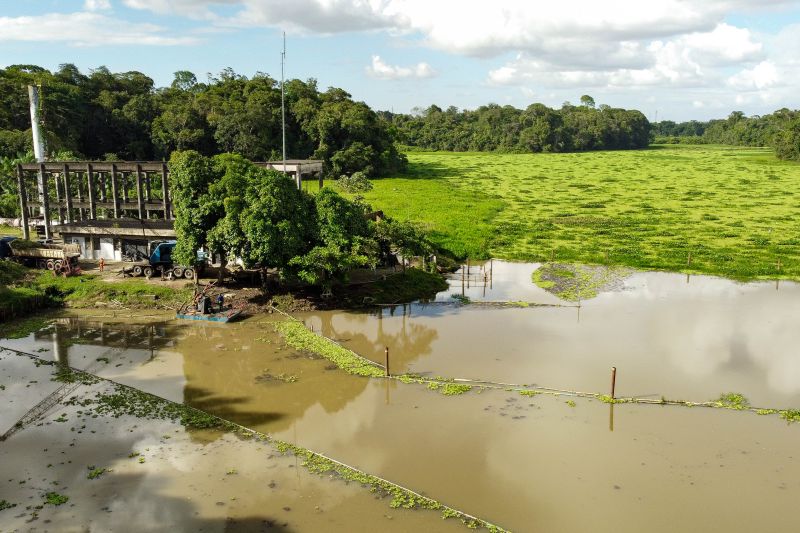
point(41, 263)
point(148, 272)
point(177, 272)
point(188, 273)
point(51, 265)
point(57, 265)
point(137, 270)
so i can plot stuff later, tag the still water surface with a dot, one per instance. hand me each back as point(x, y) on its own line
point(529, 464)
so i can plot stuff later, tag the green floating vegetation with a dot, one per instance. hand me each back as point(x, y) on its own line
point(21, 328)
point(95, 472)
point(574, 282)
point(54, 498)
point(790, 415)
point(400, 497)
point(733, 400)
point(454, 389)
point(300, 338)
point(6, 505)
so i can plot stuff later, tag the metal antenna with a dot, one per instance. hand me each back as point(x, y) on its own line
point(283, 102)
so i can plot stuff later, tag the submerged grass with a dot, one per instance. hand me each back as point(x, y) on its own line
point(720, 210)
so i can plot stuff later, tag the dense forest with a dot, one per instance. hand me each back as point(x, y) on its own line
point(123, 115)
point(537, 128)
point(779, 130)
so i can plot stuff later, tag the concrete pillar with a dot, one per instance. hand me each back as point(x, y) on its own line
point(90, 188)
point(45, 200)
point(165, 191)
point(68, 193)
point(139, 196)
point(23, 202)
point(115, 190)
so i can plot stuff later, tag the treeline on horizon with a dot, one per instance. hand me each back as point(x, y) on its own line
point(537, 128)
point(779, 130)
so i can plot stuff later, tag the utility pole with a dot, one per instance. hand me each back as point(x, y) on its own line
point(38, 151)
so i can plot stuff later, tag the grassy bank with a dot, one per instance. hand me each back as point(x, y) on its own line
point(23, 291)
point(709, 209)
point(91, 291)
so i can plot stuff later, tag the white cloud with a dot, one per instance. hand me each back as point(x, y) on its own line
point(96, 5)
point(689, 60)
point(382, 70)
point(86, 29)
point(762, 76)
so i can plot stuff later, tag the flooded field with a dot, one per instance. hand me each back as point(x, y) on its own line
point(541, 463)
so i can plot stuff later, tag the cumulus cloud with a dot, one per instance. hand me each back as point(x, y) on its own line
point(687, 60)
point(86, 29)
point(382, 70)
point(97, 5)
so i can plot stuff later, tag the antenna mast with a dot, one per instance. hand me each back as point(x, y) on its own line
point(283, 101)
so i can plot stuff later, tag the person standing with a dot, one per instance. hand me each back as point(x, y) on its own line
point(102, 264)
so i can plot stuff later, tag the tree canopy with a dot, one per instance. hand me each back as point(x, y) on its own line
point(779, 130)
point(537, 128)
point(124, 113)
point(236, 209)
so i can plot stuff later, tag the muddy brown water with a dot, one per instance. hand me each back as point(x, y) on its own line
point(529, 464)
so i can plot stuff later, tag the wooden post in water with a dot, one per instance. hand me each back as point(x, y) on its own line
point(386, 360)
point(613, 381)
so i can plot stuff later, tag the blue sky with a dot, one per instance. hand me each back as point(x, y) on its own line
point(674, 59)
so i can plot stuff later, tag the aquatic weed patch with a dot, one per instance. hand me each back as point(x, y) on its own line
point(300, 338)
point(574, 282)
point(21, 328)
point(56, 499)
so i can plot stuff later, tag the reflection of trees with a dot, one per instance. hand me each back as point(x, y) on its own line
point(221, 366)
point(366, 333)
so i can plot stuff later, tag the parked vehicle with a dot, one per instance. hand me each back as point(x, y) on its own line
point(57, 257)
point(160, 260)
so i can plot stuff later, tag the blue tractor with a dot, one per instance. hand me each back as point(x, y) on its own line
point(160, 262)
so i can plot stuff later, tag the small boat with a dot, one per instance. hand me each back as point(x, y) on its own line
point(224, 316)
point(201, 309)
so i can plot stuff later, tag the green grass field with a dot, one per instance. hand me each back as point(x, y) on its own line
point(736, 211)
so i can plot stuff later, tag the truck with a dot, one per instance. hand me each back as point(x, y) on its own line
point(57, 257)
point(160, 260)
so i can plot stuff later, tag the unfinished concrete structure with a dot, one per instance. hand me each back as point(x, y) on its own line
point(112, 209)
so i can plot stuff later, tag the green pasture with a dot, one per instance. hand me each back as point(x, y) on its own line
point(709, 209)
